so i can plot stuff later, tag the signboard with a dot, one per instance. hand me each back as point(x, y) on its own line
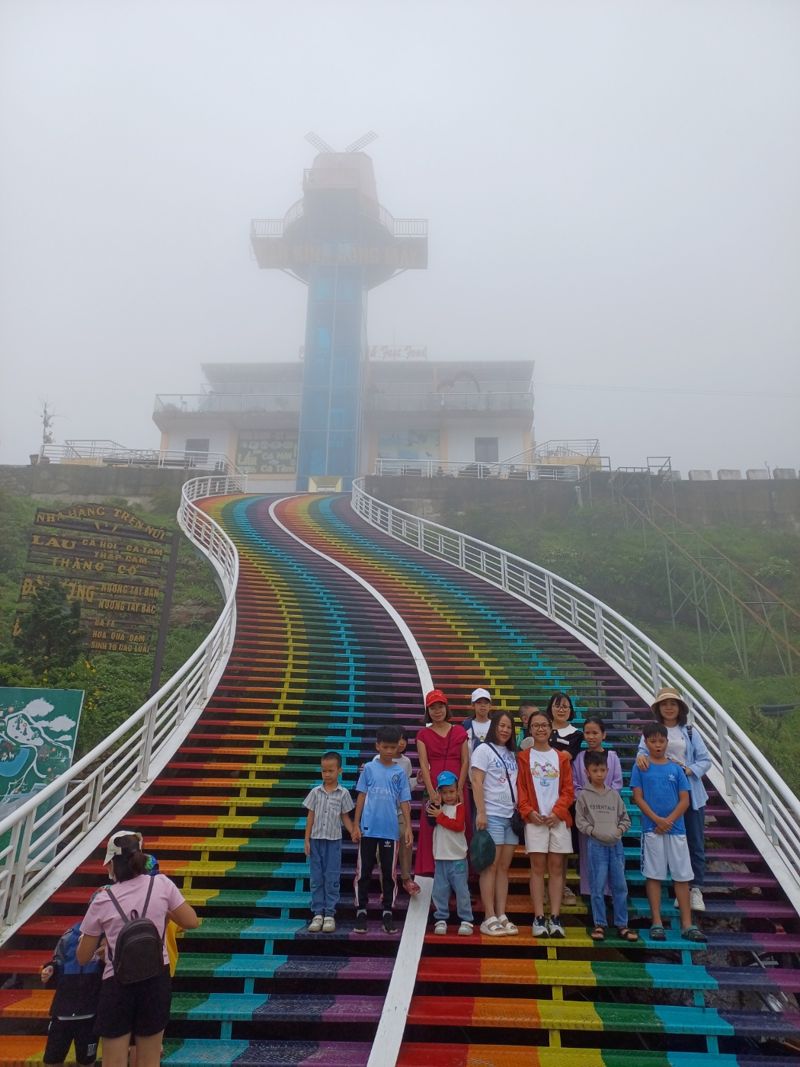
point(267, 451)
point(38, 730)
point(109, 560)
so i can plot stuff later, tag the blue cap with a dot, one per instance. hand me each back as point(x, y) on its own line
point(446, 778)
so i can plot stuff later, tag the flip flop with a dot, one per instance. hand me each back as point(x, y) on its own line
point(627, 934)
point(658, 933)
point(598, 934)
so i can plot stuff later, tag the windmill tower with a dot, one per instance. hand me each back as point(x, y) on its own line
point(341, 243)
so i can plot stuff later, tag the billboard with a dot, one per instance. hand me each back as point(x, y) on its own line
point(111, 561)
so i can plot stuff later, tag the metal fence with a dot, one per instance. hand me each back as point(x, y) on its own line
point(48, 836)
point(764, 804)
point(434, 468)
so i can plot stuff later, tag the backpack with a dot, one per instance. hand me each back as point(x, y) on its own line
point(139, 952)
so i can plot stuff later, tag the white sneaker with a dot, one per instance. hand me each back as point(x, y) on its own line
point(328, 924)
point(539, 927)
point(554, 927)
point(440, 927)
point(315, 925)
point(465, 929)
point(696, 899)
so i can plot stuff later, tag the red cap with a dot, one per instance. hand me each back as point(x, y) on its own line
point(436, 696)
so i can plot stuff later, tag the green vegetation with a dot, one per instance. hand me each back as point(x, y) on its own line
point(115, 683)
point(625, 566)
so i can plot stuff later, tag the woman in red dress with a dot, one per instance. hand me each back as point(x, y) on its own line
point(442, 746)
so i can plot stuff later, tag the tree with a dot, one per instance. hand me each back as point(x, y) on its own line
point(49, 631)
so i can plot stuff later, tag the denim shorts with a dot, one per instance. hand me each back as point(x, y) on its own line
point(500, 830)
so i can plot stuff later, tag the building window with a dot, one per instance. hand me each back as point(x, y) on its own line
point(487, 450)
point(198, 446)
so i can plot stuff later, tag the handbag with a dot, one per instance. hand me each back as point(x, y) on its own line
point(517, 822)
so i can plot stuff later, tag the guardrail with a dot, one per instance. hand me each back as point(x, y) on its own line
point(433, 468)
point(111, 454)
point(48, 836)
point(758, 796)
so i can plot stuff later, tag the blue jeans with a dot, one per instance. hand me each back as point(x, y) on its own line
point(694, 820)
point(607, 865)
point(326, 870)
point(451, 875)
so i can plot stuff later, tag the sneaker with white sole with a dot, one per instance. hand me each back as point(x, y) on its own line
point(315, 925)
point(440, 927)
point(539, 927)
point(328, 924)
point(465, 929)
point(554, 927)
point(360, 925)
point(696, 899)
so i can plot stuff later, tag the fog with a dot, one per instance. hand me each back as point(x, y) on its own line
point(612, 190)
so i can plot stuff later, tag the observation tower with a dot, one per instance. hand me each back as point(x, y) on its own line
point(341, 242)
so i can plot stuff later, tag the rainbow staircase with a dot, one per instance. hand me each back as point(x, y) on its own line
point(319, 664)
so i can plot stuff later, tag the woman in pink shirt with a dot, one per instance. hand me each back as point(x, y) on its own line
point(139, 1009)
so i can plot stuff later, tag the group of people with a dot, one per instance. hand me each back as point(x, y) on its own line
point(543, 783)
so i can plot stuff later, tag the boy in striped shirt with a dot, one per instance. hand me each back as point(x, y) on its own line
point(328, 806)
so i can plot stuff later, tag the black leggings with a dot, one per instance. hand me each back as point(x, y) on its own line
point(370, 850)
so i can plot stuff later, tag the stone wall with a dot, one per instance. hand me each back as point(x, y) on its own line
point(74, 483)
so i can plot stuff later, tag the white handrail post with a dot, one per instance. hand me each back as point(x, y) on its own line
point(147, 745)
point(550, 606)
point(461, 552)
point(504, 570)
point(627, 658)
point(655, 669)
point(725, 759)
point(96, 797)
point(599, 628)
point(18, 877)
point(183, 694)
point(766, 813)
point(206, 673)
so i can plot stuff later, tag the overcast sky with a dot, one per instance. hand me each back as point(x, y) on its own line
point(612, 190)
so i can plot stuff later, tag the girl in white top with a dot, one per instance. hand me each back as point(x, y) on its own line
point(494, 787)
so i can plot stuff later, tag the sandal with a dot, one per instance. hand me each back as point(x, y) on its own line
point(627, 934)
point(509, 929)
point(658, 933)
point(693, 933)
point(598, 934)
point(411, 887)
point(492, 927)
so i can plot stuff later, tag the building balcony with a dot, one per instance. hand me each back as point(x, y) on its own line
point(177, 404)
point(495, 403)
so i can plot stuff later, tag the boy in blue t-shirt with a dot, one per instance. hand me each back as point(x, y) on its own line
point(663, 797)
point(382, 788)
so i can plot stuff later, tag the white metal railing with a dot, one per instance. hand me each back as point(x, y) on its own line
point(227, 403)
point(113, 454)
point(49, 835)
point(764, 804)
point(433, 468)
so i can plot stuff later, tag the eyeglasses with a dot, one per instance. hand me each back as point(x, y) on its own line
point(541, 726)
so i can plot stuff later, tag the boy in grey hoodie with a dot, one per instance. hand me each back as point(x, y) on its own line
point(600, 814)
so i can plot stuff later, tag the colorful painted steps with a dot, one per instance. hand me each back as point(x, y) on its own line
point(317, 665)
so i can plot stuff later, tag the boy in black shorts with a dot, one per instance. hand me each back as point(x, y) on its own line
point(74, 1004)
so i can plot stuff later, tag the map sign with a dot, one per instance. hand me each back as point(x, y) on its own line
point(109, 560)
point(38, 730)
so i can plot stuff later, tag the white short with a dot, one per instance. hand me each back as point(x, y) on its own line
point(540, 838)
point(666, 855)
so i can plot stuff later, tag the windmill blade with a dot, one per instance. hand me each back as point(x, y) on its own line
point(362, 142)
point(316, 141)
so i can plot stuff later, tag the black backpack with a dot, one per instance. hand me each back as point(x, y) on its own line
point(139, 952)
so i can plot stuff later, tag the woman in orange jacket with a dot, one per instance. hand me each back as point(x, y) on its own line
point(545, 794)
